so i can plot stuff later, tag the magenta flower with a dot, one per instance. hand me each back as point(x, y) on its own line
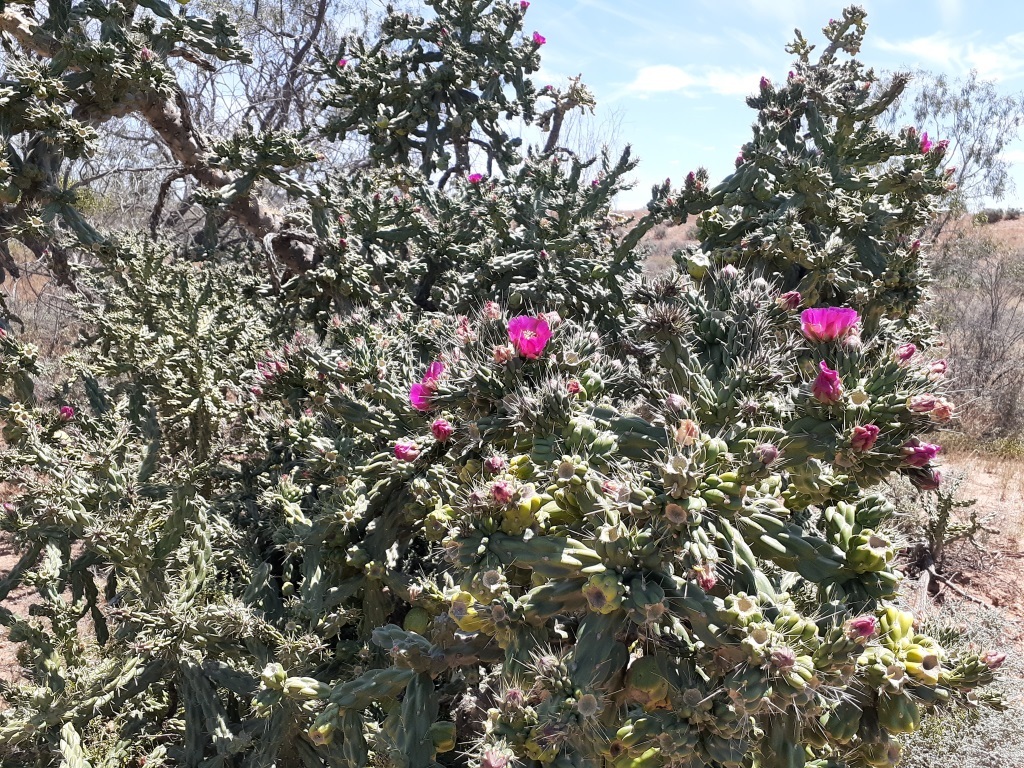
point(827, 323)
point(765, 83)
point(918, 454)
point(539, 39)
point(529, 335)
point(419, 394)
point(573, 387)
point(523, 5)
point(442, 430)
point(864, 437)
point(827, 387)
point(475, 178)
point(926, 143)
point(494, 464)
point(342, 63)
point(790, 300)
point(406, 450)
point(67, 413)
point(925, 479)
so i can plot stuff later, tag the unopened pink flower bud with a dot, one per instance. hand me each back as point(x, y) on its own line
point(573, 387)
point(442, 430)
point(993, 659)
point(491, 310)
point(729, 272)
point(494, 464)
point(502, 492)
point(67, 413)
point(944, 410)
point(922, 403)
point(790, 300)
point(861, 629)
point(919, 454)
point(904, 352)
point(766, 453)
point(503, 353)
point(675, 402)
point(146, 54)
point(937, 369)
point(539, 39)
point(406, 450)
point(924, 479)
point(827, 387)
point(926, 143)
point(706, 578)
point(864, 437)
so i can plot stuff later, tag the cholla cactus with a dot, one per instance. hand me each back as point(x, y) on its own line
point(550, 521)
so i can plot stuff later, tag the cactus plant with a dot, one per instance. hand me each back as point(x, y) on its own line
point(473, 490)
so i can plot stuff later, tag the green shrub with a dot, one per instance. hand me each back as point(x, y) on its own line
point(466, 488)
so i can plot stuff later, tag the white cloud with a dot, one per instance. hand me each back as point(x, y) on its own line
point(660, 78)
point(1002, 60)
point(666, 78)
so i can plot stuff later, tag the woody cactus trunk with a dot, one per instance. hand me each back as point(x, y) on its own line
point(461, 486)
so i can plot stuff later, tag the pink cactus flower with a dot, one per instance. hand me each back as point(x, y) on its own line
point(573, 387)
point(904, 352)
point(993, 659)
point(919, 454)
point(915, 246)
point(937, 370)
point(944, 410)
point(419, 394)
point(861, 629)
point(864, 437)
point(146, 54)
point(827, 387)
point(67, 413)
point(523, 5)
point(529, 335)
point(827, 323)
point(925, 479)
point(475, 178)
point(729, 272)
point(922, 403)
point(539, 39)
point(926, 143)
point(502, 492)
point(491, 310)
point(406, 450)
point(442, 430)
point(765, 83)
point(790, 300)
point(342, 63)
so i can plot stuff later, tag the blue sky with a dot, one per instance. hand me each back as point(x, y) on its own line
point(673, 74)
